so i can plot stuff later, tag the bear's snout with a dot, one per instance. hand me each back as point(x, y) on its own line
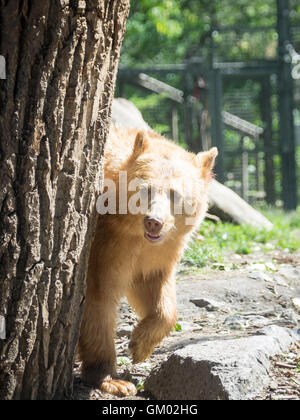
point(152, 225)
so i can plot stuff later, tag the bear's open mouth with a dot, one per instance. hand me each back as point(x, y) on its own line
point(153, 238)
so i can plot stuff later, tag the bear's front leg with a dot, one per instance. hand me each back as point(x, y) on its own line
point(97, 349)
point(154, 299)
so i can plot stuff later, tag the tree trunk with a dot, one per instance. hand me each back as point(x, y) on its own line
point(61, 58)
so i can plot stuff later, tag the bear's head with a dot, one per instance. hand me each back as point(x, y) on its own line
point(167, 188)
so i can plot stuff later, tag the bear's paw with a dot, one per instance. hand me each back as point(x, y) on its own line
point(118, 387)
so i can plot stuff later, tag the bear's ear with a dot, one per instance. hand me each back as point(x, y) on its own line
point(140, 144)
point(207, 162)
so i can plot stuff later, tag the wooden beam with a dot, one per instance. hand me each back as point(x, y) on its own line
point(157, 86)
point(242, 125)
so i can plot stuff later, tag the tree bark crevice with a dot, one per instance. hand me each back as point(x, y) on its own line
point(54, 115)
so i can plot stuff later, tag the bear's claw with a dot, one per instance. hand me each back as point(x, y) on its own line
point(118, 387)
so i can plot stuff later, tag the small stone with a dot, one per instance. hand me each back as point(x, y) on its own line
point(188, 326)
point(236, 322)
point(287, 317)
point(240, 322)
point(124, 331)
point(280, 281)
point(296, 303)
point(209, 304)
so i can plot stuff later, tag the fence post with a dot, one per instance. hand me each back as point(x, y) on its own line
point(216, 108)
point(245, 173)
point(268, 146)
point(287, 136)
point(174, 121)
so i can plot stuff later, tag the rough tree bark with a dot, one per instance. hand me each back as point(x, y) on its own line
point(62, 58)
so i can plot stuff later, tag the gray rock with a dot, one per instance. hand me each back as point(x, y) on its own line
point(260, 275)
point(126, 114)
point(210, 305)
point(236, 322)
point(280, 280)
point(235, 369)
point(240, 322)
point(287, 317)
point(283, 335)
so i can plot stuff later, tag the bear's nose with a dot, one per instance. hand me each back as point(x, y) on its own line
point(152, 225)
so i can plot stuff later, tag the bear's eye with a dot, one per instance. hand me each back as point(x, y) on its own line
point(175, 196)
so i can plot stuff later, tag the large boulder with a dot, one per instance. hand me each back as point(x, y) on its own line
point(125, 114)
point(236, 369)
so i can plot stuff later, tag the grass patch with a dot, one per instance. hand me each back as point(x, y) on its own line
point(177, 327)
point(214, 240)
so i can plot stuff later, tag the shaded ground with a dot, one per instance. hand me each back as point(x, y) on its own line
point(241, 296)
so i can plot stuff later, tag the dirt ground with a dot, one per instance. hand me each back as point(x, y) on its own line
point(244, 295)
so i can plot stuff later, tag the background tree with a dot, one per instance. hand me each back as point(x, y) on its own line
point(62, 58)
point(167, 32)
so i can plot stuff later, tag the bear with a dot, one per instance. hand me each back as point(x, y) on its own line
point(134, 253)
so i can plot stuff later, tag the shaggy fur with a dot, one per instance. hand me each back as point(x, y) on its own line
point(124, 263)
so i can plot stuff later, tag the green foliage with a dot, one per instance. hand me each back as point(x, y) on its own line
point(172, 30)
point(123, 360)
point(215, 240)
point(149, 101)
point(152, 110)
point(140, 385)
point(177, 327)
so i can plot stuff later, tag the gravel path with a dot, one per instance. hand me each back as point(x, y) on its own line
point(229, 301)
